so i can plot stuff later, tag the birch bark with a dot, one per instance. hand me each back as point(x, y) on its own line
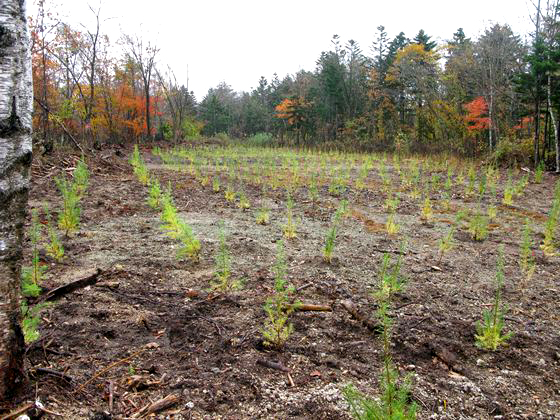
point(16, 101)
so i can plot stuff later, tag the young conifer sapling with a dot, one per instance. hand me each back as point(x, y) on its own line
point(489, 332)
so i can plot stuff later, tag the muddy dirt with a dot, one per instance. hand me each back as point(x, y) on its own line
point(148, 329)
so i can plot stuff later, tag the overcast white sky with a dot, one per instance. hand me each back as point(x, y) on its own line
point(239, 41)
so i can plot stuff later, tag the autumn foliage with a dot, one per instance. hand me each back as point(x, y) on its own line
point(86, 92)
point(292, 109)
point(476, 118)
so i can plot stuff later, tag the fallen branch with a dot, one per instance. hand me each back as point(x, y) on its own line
point(53, 372)
point(18, 411)
point(356, 314)
point(37, 405)
point(291, 380)
point(355, 343)
point(305, 286)
point(111, 393)
point(198, 294)
point(111, 366)
point(272, 365)
point(393, 251)
point(158, 406)
point(311, 307)
point(89, 279)
point(46, 410)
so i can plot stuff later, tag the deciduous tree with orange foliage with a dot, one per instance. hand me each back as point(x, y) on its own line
point(477, 118)
point(294, 111)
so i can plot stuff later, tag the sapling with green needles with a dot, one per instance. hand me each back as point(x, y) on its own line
point(508, 193)
point(415, 194)
point(31, 277)
point(69, 217)
point(330, 242)
point(30, 320)
point(277, 328)
point(141, 172)
point(539, 173)
point(362, 175)
point(263, 216)
point(190, 246)
point(289, 228)
point(521, 185)
point(492, 176)
point(548, 246)
point(526, 256)
point(492, 212)
point(135, 157)
point(229, 194)
point(216, 184)
point(391, 202)
point(204, 180)
point(331, 233)
point(482, 185)
point(343, 208)
point(449, 180)
point(434, 184)
point(427, 212)
point(471, 181)
point(243, 203)
point(446, 202)
point(169, 214)
point(394, 401)
point(222, 274)
point(81, 177)
point(313, 190)
point(154, 194)
point(390, 278)
point(461, 177)
point(489, 332)
point(179, 229)
point(446, 243)
point(337, 185)
point(54, 246)
point(478, 225)
point(30, 285)
point(391, 224)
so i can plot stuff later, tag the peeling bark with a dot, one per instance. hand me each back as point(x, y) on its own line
point(16, 93)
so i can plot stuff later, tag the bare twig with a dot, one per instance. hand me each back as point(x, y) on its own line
point(88, 280)
point(312, 308)
point(54, 373)
point(305, 286)
point(111, 391)
point(272, 365)
point(158, 406)
point(291, 380)
point(356, 314)
point(46, 410)
point(17, 411)
point(111, 366)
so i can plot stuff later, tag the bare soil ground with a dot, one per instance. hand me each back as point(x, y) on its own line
point(144, 333)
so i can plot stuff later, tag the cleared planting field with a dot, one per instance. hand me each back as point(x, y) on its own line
point(157, 323)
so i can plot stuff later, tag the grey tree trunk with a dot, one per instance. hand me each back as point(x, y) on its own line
point(16, 101)
point(554, 124)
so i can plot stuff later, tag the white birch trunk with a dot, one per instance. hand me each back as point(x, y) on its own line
point(16, 101)
point(553, 119)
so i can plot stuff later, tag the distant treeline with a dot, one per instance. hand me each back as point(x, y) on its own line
point(468, 96)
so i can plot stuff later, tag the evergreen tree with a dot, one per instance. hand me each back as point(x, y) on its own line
point(422, 38)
